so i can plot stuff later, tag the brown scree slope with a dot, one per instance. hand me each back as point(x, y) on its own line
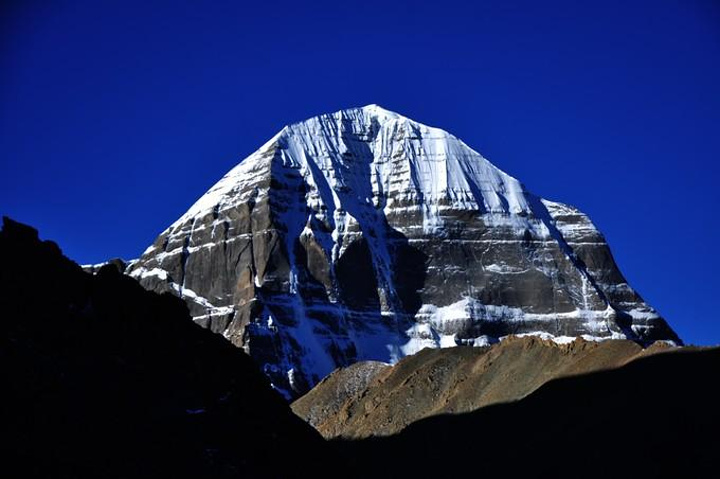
point(371, 399)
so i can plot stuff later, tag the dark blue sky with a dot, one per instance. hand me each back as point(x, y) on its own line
point(114, 118)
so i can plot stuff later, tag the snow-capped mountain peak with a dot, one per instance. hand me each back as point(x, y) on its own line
point(362, 234)
point(348, 145)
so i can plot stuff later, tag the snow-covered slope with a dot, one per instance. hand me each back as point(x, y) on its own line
point(364, 235)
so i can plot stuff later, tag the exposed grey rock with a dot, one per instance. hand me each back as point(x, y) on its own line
point(363, 235)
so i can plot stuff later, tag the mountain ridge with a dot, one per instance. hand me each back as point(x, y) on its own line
point(102, 378)
point(364, 235)
point(372, 400)
point(657, 416)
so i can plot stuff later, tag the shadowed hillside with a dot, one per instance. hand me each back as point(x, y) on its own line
point(655, 417)
point(104, 379)
point(453, 380)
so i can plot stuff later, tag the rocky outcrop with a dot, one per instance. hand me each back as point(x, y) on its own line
point(325, 406)
point(364, 235)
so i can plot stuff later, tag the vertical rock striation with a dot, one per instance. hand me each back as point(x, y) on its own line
point(364, 235)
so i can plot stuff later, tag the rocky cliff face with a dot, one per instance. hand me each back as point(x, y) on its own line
point(364, 235)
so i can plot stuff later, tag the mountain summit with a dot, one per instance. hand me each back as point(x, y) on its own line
point(364, 235)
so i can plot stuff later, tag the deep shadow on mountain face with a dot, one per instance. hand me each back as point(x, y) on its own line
point(656, 417)
point(104, 379)
point(342, 298)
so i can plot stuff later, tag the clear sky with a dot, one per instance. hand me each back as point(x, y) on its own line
point(116, 116)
